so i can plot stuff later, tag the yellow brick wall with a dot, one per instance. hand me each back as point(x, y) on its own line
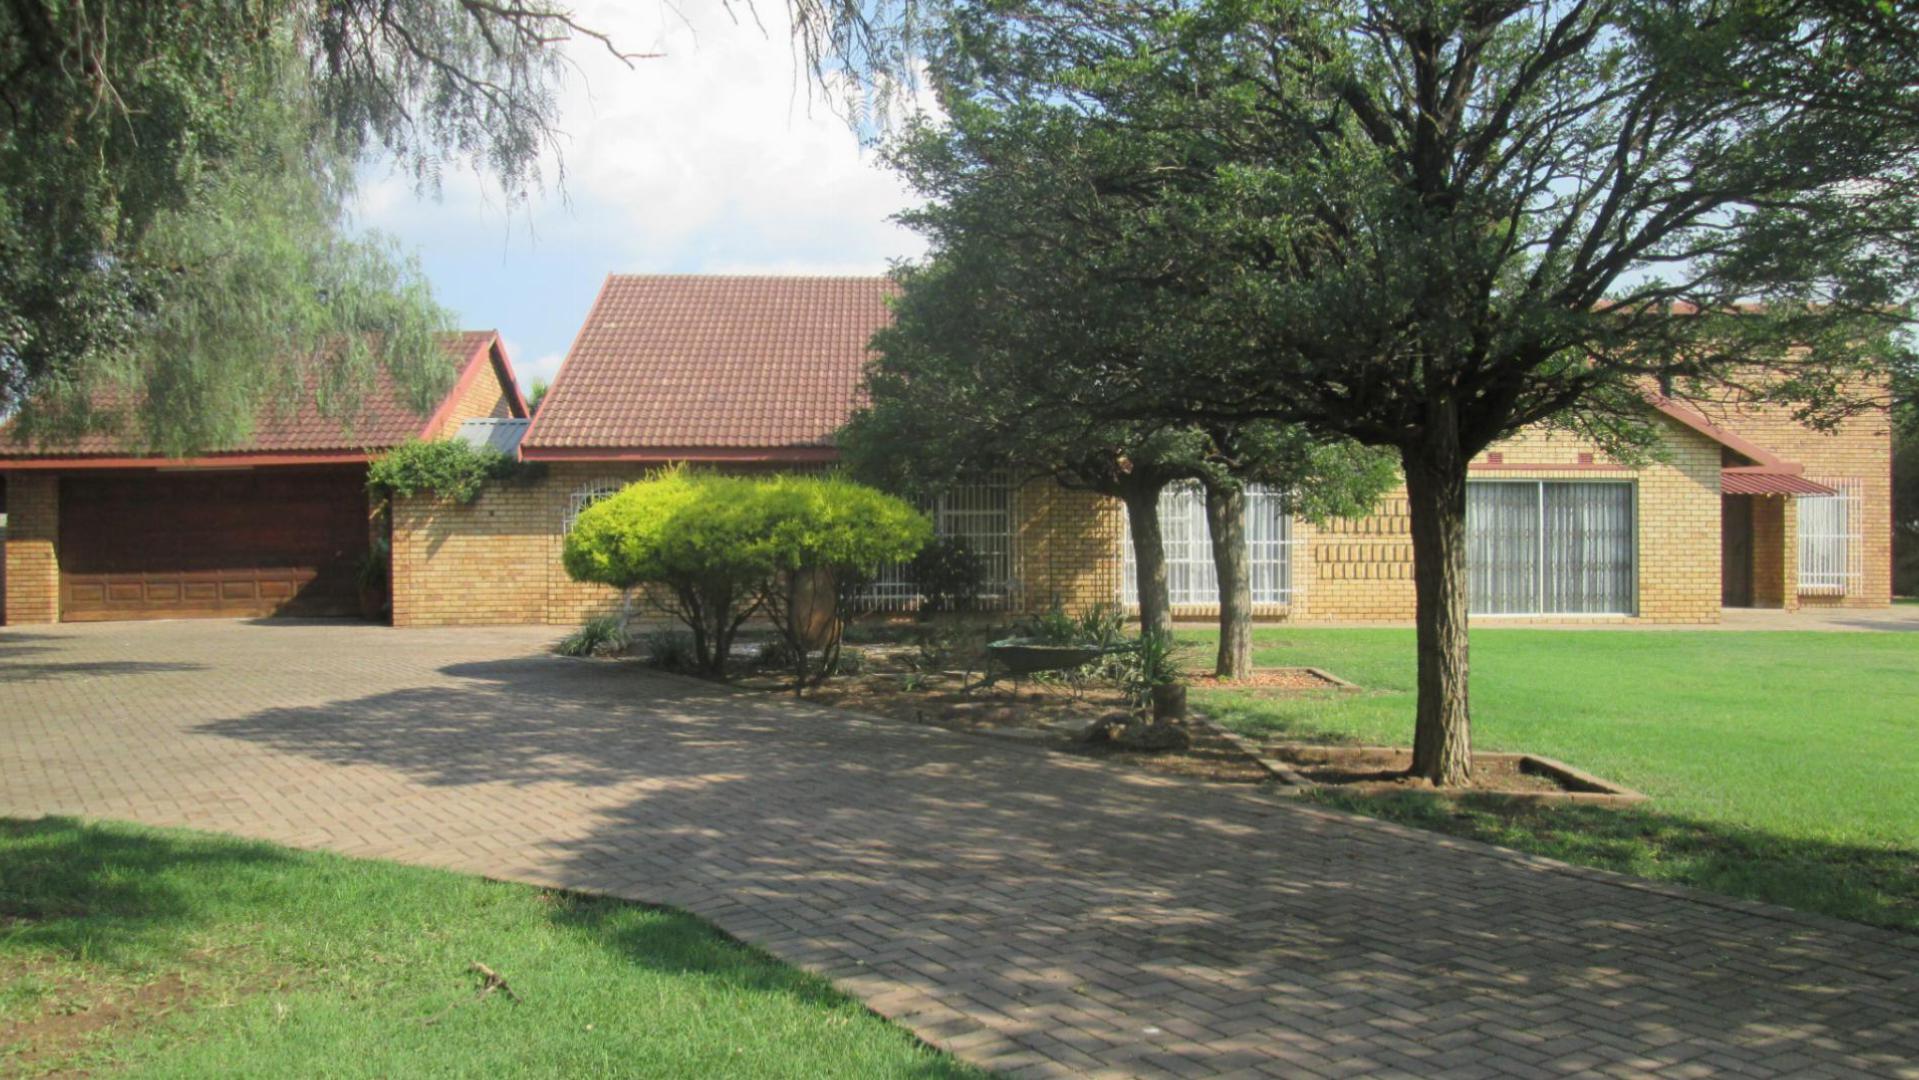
point(1361, 569)
point(1065, 547)
point(497, 559)
point(32, 548)
point(486, 397)
point(1856, 452)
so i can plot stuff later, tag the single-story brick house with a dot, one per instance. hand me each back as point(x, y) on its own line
point(1746, 508)
point(279, 525)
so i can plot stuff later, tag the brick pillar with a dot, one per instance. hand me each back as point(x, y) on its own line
point(33, 560)
point(1789, 552)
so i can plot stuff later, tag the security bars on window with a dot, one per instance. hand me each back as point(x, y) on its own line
point(1192, 579)
point(1829, 542)
point(980, 514)
point(586, 495)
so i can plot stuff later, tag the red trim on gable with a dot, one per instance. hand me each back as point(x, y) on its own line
point(533, 429)
point(469, 373)
point(665, 455)
point(238, 460)
point(1736, 443)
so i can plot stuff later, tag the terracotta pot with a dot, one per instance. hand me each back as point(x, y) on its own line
point(814, 598)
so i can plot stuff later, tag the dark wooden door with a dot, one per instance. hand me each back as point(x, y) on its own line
point(179, 545)
point(1735, 550)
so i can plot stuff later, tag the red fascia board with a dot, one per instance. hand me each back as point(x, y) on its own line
point(516, 398)
point(1710, 430)
point(795, 455)
point(481, 360)
point(211, 461)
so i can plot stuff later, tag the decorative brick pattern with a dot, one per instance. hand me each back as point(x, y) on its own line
point(1038, 914)
point(32, 575)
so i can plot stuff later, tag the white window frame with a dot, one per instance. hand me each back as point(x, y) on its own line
point(1192, 577)
point(586, 495)
point(1830, 544)
point(1540, 485)
point(980, 513)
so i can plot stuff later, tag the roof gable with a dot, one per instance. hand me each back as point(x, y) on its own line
point(712, 367)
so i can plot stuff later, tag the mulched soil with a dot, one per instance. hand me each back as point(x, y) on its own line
point(1372, 769)
point(1048, 714)
point(1270, 679)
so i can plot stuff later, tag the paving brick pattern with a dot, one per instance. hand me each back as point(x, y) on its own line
point(1034, 913)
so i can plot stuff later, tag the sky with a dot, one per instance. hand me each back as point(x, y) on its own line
point(715, 157)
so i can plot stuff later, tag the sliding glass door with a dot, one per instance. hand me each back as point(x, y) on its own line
point(1550, 548)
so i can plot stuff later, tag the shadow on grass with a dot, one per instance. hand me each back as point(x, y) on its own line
point(670, 941)
point(1877, 885)
point(73, 887)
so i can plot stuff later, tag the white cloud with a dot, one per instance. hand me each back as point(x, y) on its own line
point(716, 156)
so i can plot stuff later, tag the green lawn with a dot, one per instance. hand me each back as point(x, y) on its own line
point(174, 954)
point(1783, 766)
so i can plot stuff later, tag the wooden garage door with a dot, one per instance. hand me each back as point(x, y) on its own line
point(177, 545)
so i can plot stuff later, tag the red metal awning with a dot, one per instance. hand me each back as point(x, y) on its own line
point(1750, 481)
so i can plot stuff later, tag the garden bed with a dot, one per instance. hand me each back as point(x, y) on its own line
point(1275, 679)
point(1054, 713)
point(1382, 769)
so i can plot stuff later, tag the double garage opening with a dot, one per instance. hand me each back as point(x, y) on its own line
point(158, 544)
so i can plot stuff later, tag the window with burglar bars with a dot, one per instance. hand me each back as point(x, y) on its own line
point(586, 495)
point(1545, 548)
point(980, 514)
point(1829, 543)
point(1191, 577)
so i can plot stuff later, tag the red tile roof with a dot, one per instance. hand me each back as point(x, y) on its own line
point(713, 368)
point(384, 420)
point(1763, 481)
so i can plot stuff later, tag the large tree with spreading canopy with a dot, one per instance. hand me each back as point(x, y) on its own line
point(1427, 225)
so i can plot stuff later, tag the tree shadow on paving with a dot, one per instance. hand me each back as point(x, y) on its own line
point(1876, 884)
point(31, 671)
point(1005, 879)
point(88, 891)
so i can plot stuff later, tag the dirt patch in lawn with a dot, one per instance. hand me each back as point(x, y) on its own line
point(1382, 769)
point(73, 1009)
point(1281, 679)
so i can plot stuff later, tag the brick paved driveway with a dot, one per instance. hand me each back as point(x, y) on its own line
point(1032, 912)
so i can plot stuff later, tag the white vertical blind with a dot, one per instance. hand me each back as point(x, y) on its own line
point(1828, 540)
point(1191, 577)
point(1552, 548)
point(1502, 548)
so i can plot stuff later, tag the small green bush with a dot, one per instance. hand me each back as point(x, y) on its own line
point(602, 636)
point(949, 575)
point(721, 548)
point(448, 468)
point(774, 654)
point(671, 650)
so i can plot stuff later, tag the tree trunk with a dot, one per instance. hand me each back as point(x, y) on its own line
point(1226, 521)
point(1149, 560)
point(1436, 498)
